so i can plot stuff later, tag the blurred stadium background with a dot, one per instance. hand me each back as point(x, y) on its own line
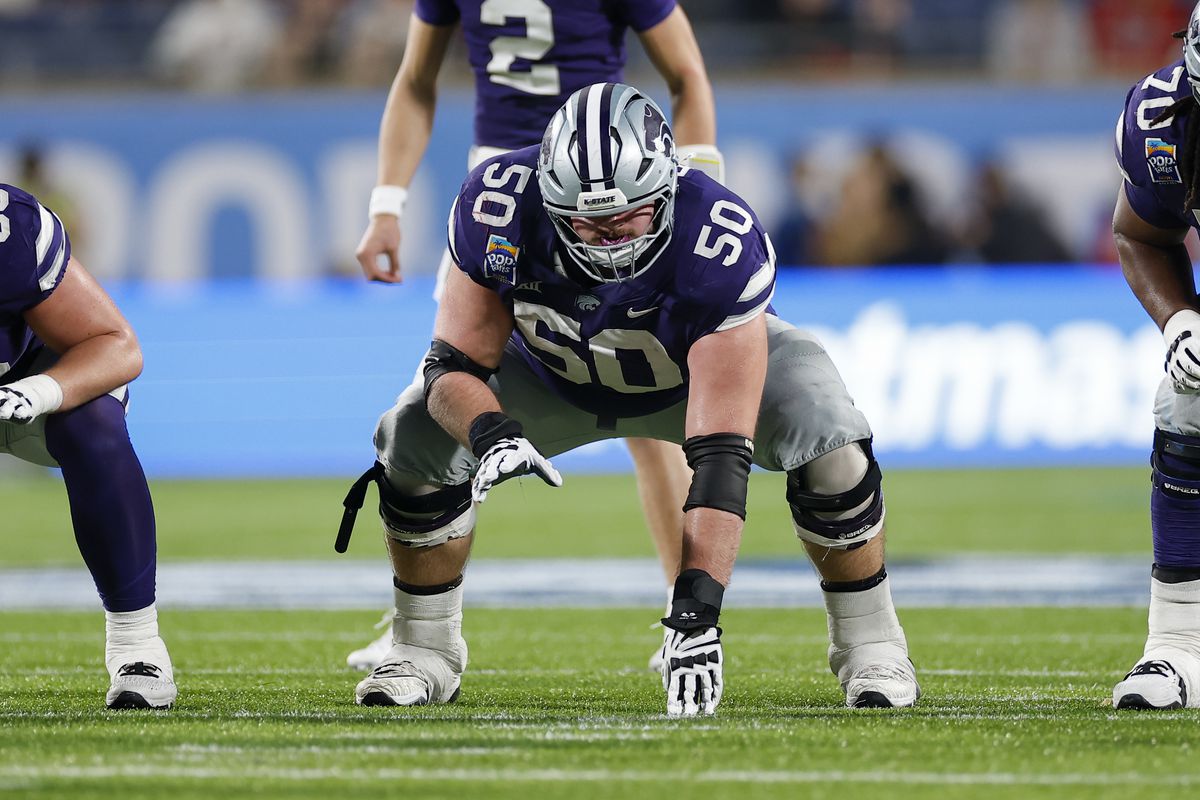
point(938, 178)
point(213, 159)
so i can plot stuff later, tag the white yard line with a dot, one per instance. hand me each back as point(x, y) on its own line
point(257, 772)
point(954, 581)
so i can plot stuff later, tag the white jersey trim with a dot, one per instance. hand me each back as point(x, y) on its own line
point(758, 281)
point(45, 233)
point(742, 319)
point(47, 281)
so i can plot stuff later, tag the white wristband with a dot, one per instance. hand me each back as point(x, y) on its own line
point(1180, 320)
point(44, 393)
point(704, 158)
point(387, 200)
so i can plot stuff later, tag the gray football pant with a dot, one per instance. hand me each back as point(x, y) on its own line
point(805, 413)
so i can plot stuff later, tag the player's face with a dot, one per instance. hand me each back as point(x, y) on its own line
point(615, 229)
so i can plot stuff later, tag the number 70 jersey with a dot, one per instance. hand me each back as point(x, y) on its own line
point(614, 349)
point(1149, 152)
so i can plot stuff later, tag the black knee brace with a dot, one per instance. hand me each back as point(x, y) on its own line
point(848, 533)
point(412, 520)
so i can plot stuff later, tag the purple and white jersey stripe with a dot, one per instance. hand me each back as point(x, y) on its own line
point(529, 56)
point(34, 252)
point(614, 349)
point(1148, 153)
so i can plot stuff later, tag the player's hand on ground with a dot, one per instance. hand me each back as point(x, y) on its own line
point(379, 251)
point(511, 457)
point(15, 406)
point(692, 676)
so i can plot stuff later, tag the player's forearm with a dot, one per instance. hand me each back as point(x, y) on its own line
point(710, 542)
point(1161, 277)
point(96, 366)
point(405, 130)
point(456, 400)
point(693, 111)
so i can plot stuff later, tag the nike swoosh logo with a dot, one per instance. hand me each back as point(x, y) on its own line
point(635, 314)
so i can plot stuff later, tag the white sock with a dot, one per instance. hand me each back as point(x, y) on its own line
point(133, 636)
point(867, 617)
point(1174, 617)
point(434, 622)
point(670, 599)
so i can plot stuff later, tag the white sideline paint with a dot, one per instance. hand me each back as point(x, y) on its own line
point(259, 772)
point(957, 581)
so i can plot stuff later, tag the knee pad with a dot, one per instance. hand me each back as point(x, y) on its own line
point(837, 498)
point(426, 520)
point(1175, 506)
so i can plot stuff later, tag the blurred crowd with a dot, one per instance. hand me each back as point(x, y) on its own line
point(875, 210)
point(877, 213)
point(226, 45)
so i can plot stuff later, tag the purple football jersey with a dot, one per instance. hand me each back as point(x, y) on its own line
point(1148, 153)
point(34, 251)
point(530, 55)
point(615, 349)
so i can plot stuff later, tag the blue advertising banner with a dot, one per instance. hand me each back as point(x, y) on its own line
point(953, 366)
point(183, 187)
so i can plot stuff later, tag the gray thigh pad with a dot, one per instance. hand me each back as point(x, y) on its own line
point(806, 410)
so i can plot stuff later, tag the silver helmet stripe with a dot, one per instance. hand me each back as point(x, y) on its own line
point(595, 137)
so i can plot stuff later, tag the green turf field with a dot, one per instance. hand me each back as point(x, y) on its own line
point(929, 514)
point(1014, 706)
point(556, 701)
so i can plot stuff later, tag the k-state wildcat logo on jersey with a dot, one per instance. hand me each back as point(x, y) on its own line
point(1160, 158)
point(500, 259)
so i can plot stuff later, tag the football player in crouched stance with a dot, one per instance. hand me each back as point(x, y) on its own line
point(66, 355)
point(1158, 150)
point(602, 291)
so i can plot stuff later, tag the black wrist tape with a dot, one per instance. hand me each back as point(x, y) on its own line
point(489, 428)
point(696, 603)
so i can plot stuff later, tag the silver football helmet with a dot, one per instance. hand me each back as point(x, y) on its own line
point(609, 149)
point(1191, 51)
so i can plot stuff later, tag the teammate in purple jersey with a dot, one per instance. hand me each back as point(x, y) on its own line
point(603, 289)
point(1158, 140)
point(528, 57)
point(66, 354)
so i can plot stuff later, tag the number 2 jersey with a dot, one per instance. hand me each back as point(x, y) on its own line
point(529, 56)
point(34, 252)
point(1149, 153)
point(614, 349)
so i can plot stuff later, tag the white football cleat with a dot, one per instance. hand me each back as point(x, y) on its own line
point(409, 676)
point(141, 675)
point(368, 658)
point(141, 685)
point(1153, 684)
point(886, 684)
point(877, 675)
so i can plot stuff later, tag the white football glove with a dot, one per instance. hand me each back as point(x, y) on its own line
point(511, 457)
point(27, 399)
point(691, 672)
point(1182, 336)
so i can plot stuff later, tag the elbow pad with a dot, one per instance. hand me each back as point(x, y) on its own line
point(444, 358)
